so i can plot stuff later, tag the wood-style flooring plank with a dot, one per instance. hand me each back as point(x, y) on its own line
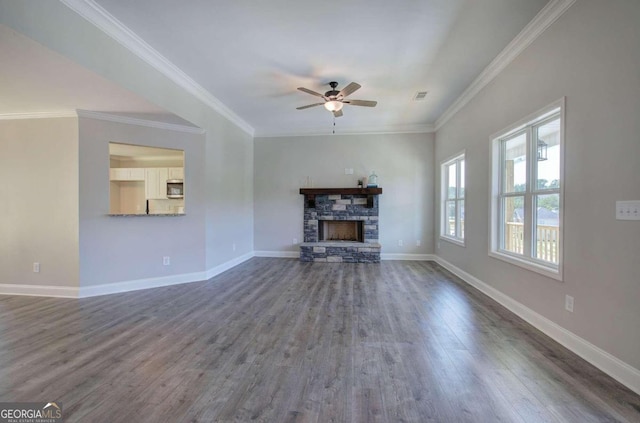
point(277, 340)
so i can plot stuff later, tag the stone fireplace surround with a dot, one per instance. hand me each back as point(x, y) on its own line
point(352, 205)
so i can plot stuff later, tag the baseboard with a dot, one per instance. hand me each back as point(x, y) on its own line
point(137, 284)
point(119, 287)
point(614, 367)
point(277, 254)
point(39, 290)
point(413, 257)
point(215, 271)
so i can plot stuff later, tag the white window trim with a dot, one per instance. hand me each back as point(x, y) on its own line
point(529, 263)
point(443, 197)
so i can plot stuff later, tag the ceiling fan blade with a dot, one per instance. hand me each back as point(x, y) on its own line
point(308, 91)
point(365, 103)
point(337, 113)
point(349, 89)
point(309, 105)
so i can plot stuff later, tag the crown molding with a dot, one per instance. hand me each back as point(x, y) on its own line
point(38, 115)
point(139, 122)
point(325, 131)
point(538, 25)
point(107, 23)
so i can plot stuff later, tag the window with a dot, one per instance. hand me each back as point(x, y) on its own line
point(526, 203)
point(452, 213)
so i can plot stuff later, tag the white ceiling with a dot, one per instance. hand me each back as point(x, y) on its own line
point(38, 80)
point(253, 55)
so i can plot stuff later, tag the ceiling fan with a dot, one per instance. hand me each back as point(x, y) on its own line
point(334, 99)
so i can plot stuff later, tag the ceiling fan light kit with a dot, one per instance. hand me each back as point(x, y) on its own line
point(334, 100)
point(333, 105)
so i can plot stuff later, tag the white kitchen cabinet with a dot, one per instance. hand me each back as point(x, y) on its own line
point(176, 173)
point(127, 197)
point(156, 183)
point(126, 174)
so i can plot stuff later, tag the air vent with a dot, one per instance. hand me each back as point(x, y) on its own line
point(420, 95)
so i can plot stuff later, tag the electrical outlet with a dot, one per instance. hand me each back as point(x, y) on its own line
point(418, 243)
point(400, 243)
point(36, 267)
point(568, 303)
point(348, 171)
point(166, 261)
point(295, 241)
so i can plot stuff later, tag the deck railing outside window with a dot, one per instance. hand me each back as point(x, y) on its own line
point(546, 241)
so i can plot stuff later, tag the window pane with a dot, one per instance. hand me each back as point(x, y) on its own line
point(461, 182)
point(513, 224)
point(461, 218)
point(514, 166)
point(450, 228)
point(547, 226)
point(548, 154)
point(451, 179)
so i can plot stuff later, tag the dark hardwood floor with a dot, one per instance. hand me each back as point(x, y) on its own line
point(276, 340)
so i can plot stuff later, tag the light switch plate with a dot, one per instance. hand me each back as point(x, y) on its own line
point(628, 210)
point(568, 303)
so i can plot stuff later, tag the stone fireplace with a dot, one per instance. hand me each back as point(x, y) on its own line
point(341, 225)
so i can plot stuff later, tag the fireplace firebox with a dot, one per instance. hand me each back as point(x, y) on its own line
point(340, 230)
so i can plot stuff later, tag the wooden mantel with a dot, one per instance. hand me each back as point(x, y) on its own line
point(310, 194)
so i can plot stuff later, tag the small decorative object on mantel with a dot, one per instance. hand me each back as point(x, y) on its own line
point(360, 183)
point(373, 180)
point(308, 182)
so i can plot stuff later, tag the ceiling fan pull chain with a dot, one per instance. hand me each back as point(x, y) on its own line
point(334, 125)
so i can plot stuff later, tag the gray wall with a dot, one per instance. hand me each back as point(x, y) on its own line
point(403, 162)
point(39, 191)
point(591, 56)
point(229, 191)
point(228, 152)
point(115, 249)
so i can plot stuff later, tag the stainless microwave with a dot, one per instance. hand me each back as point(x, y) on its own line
point(175, 188)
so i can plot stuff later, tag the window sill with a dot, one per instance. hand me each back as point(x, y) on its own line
point(455, 241)
point(533, 266)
